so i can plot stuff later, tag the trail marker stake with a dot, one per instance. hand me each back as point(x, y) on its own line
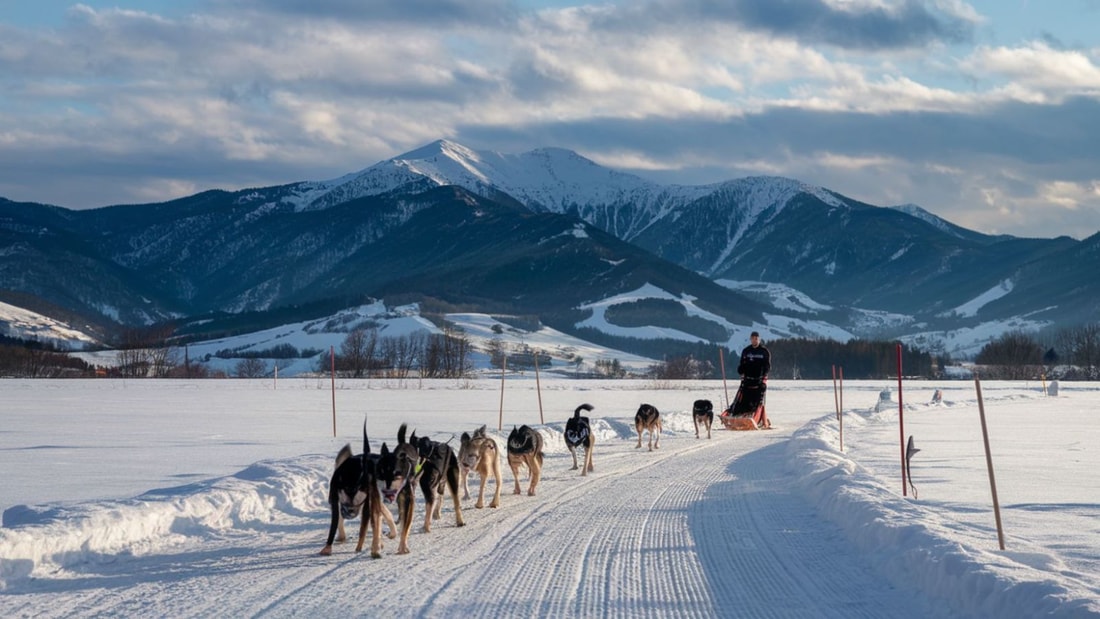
point(989, 465)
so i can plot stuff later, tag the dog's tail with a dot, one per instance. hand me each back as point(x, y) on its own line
point(582, 407)
point(401, 433)
point(366, 443)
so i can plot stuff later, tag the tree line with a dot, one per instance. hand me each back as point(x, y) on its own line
point(811, 359)
point(1071, 353)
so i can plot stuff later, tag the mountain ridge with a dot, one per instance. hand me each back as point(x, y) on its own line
point(297, 243)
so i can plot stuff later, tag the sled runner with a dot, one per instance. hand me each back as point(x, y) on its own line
point(747, 412)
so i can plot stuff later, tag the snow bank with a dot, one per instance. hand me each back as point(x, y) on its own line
point(913, 546)
point(40, 540)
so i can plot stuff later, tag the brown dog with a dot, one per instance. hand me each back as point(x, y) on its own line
point(478, 453)
point(648, 419)
point(525, 449)
point(353, 492)
point(396, 473)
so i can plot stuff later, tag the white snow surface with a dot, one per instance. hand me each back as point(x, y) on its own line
point(971, 307)
point(24, 324)
point(779, 296)
point(202, 498)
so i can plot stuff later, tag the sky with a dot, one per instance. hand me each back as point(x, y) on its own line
point(984, 113)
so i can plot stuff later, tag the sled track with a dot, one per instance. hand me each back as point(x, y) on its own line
point(638, 537)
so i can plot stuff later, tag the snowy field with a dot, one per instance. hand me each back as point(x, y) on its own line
point(207, 498)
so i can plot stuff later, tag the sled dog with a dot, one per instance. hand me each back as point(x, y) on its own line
point(396, 479)
point(578, 434)
point(702, 413)
point(353, 492)
point(648, 419)
point(439, 471)
point(525, 449)
point(478, 453)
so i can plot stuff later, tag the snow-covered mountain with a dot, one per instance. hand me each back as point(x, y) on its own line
point(550, 180)
point(550, 233)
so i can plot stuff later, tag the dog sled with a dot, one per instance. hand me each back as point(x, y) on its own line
point(748, 411)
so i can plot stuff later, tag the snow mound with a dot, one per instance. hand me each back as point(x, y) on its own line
point(913, 545)
point(44, 539)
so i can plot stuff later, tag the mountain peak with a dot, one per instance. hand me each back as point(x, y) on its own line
point(439, 148)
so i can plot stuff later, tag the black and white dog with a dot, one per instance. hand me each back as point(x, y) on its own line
point(353, 492)
point(648, 419)
point(438, 471)
point(702, 413)
point(578, 434)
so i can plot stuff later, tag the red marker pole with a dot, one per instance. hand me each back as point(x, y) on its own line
point(722, 364)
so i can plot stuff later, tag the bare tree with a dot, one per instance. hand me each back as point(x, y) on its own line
point(357, 351)
point(1013, 356)
point(447, 355)
point(679, 368)
point(251, 368)
point(1081, 348)
point(399, 354)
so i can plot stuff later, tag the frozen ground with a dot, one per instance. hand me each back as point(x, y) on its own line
point(206, 498)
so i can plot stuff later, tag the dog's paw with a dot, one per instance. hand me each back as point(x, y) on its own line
point(326, 551)
point(531, 492)
point(375, 555)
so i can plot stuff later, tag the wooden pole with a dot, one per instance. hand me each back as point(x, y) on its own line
point(503, 367)
point(275, 383)
point(722, 363)
point(538, 388)
point(841, 407)
point(989, 465)
point(332, 357)
point(901, 428)
point(836, 396)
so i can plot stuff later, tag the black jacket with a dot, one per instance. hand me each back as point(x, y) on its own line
point(755, 362)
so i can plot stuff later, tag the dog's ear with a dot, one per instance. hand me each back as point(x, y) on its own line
point(385, 449)
point(480, 431)
point(465, 437)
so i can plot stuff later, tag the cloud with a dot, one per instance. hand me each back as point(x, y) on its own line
point(850, 24)
point(861, 96)
point(492, 13)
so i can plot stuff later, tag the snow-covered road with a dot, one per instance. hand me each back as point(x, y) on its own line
point(697, 528)
point(747, 524)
